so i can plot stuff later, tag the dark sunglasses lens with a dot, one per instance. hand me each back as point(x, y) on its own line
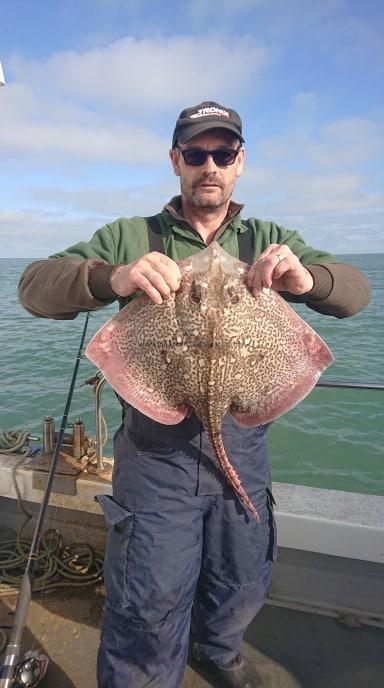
point(194, 157)
point(221, 157)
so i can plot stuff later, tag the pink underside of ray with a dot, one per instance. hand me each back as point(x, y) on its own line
point(125, 384)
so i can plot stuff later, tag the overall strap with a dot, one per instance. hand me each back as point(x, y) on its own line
point(155, 237)
point(155, 240)
point(245, 246)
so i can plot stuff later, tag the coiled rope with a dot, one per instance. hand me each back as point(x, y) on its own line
point(12, 441)
point(57, 566)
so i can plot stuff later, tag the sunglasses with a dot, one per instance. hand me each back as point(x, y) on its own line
point(222, 157)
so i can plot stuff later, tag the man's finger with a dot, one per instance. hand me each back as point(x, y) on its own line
point(255, 278)
point(168, 268)
point(146, 286)
point(272, 248)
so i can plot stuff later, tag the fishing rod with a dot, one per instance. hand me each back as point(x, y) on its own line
point(29, 672)
point(350, 385)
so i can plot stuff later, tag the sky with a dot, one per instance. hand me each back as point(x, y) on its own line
point(94, 87)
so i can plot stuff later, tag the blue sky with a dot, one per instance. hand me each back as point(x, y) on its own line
point(94, 87)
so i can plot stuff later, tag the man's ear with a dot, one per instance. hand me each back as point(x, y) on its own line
point(240, 162)
point(173, 154)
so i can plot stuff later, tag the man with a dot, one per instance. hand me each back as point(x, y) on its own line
point(184, 561)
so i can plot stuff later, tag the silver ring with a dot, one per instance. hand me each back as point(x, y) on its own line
point(279, 258)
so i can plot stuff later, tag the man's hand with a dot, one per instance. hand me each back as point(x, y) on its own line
point(155, 274)
point(278, 268)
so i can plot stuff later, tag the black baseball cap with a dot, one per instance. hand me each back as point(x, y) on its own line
point(204, 116)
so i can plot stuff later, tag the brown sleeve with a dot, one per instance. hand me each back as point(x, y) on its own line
point(60, 288)
point(339, 289)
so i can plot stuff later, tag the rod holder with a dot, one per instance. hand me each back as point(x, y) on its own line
point(48, 434)
point(78, 439)
point(99, 382)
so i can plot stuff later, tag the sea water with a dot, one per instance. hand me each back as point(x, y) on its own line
point(333, 439)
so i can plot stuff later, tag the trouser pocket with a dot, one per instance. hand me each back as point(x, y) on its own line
point(117, 554)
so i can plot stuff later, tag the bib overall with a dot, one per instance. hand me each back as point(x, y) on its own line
point(186, 565)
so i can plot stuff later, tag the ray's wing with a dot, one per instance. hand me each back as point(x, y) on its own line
point(281, 359)
point(135, 350)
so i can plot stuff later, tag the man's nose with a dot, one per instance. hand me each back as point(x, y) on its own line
point(210, 164)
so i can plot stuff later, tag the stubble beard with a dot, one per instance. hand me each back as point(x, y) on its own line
point(196, 197)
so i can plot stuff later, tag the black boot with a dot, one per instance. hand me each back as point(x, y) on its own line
point(239, 673)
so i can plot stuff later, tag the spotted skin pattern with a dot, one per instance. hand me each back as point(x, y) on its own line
point(212, 347)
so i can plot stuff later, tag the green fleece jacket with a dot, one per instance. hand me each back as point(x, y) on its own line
point(78, 279)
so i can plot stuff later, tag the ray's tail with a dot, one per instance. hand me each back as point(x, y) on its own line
point(229, 472)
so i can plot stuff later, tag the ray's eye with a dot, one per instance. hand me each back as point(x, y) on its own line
point(195, 295)
point(233, 295)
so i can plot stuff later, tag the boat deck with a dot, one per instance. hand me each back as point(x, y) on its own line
point(291, 649)
point(330, 560)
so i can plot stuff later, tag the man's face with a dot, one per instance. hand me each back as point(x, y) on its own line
point(208, 186)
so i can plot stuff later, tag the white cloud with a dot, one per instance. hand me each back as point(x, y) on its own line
point(38, 233)
point(50, 128)
point(275, 191)
point(50, 140)
point(106, 203)
point(117, 104)
point(330, 211)
point(343, 143)
point(312, 170)
point(106, 103)
point(349, 141)
point(58, 218)
point(145, 76)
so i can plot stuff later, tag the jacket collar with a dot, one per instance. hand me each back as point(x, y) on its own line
point(175, 210)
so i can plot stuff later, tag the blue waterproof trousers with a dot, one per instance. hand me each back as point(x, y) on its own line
point(185, 562)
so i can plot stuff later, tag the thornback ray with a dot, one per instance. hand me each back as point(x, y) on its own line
point(213, 347)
